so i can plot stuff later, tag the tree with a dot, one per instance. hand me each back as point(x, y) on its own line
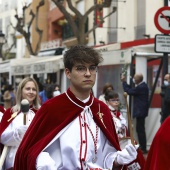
point(79, 30)
point(21, 27)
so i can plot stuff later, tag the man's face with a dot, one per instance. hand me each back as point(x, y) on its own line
point(82, 76)
point(135, 80)
point(167, 78)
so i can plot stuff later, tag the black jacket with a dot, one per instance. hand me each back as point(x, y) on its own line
point(165, 103)
point(141, 98)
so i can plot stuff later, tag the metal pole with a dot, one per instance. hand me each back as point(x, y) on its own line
point(165, 2)
point(165, 55)
point(165, 67)
point(1, 56)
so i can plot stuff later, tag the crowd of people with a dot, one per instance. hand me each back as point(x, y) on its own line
point(74, 129)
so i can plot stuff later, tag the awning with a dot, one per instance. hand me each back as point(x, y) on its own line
point(5, 67)
point(146, 51)
point(51, 52)
point(117, 57)
point(113, 55)
point(36, 65)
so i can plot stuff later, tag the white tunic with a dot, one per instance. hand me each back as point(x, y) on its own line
point(11, 138)
point(73, 148)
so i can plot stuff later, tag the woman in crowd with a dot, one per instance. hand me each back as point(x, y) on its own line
point(106, 87)
point(12, 126)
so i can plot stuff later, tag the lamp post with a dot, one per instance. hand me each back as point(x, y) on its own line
point(2, 42)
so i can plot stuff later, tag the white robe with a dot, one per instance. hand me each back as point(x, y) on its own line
point(11, 138)
point(64, 151)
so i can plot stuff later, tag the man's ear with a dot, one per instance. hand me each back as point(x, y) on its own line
point(67, 72)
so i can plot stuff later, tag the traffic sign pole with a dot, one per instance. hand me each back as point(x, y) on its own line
point(162, 22)
point(165, 2)
point(165, 55)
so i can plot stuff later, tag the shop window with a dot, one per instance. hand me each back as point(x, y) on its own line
point(67, 31)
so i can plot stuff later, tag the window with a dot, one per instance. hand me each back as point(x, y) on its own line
point(67, 31)
point(141, 17)
point(112, 33)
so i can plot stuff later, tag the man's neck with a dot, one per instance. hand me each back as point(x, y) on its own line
point(80, 95)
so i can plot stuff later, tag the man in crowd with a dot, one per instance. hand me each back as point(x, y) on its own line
point(140, 105)
point(165, 94)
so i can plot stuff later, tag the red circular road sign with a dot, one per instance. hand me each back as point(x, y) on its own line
point(162, 20)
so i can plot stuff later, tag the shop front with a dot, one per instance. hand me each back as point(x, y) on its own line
point(38, 67)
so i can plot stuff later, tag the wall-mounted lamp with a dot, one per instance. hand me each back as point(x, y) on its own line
point(147, 36)
point(102, 42)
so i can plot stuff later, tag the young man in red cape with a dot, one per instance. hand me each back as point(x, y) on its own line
point(158, 156)
point(74, 130)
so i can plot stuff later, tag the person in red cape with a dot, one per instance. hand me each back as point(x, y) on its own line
point(113, 102)
point(2, 109)
point(74, 130)
point(158, 155)
point(12, 127)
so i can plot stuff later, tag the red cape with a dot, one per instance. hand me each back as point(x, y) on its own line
point(158, 157)
point(4, 122)
point(51, 119)
point(2, 109)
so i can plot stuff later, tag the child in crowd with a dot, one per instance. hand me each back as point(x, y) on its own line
point(112, 100)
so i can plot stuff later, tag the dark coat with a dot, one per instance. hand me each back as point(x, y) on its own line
point(141, 98)
point(165, 103)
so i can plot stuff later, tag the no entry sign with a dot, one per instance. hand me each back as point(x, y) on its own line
point(162, 20)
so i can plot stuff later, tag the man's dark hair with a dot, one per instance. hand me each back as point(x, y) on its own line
point(81, 54)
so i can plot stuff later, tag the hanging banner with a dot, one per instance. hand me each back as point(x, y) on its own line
point(99, 14)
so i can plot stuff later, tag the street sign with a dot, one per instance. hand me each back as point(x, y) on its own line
point(162, 43)
point(162, 20)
